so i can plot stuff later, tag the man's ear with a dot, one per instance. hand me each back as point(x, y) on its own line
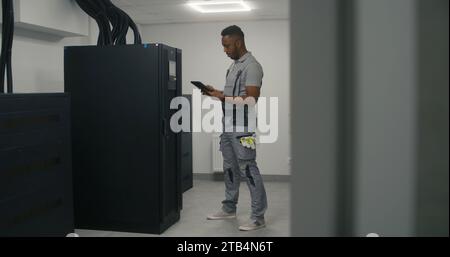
point(238, 43)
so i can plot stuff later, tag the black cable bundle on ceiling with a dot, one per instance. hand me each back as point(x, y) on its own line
point(106, 14)
point(121, 22)
point(7, 42)
point(94, 9)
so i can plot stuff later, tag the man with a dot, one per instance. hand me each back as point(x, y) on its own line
point(238, 143)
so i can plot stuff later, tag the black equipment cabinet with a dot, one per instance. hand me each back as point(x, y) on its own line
point(126, 159)
point(35, 166)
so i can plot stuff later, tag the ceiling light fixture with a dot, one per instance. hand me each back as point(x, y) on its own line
point(220, 6)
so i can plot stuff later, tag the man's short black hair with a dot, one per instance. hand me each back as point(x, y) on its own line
point(233, 31)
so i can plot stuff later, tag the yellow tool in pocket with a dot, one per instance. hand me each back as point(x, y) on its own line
point(249, 142)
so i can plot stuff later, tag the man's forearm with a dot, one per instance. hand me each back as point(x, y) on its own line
point(241, 100)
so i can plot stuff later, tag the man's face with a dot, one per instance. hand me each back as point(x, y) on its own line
point(231, 47)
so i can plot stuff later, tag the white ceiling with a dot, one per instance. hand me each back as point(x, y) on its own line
point(176, 11)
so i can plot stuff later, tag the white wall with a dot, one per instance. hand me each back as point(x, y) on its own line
point(38, 63)
point(204, 59)
point(63, 18)
point(38, 59)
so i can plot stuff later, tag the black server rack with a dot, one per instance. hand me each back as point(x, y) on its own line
point(126, 159)
point(186, 156)
point(35, 166)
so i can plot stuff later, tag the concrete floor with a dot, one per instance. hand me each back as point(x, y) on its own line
point(205, 198)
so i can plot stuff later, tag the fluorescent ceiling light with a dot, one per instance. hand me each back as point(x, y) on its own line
point(220, 6)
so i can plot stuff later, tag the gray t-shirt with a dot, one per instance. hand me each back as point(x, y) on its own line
point(246, 71)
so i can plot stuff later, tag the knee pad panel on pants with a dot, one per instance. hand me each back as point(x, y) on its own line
point(251, 171)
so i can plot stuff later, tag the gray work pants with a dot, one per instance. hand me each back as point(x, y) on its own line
point(240, 164)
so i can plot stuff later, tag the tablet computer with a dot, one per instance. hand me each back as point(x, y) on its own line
point(200, 86)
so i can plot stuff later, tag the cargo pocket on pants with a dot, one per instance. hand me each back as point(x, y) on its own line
point(244, 153)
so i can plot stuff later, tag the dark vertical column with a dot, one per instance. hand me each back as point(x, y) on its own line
point(433, 160)
point(346, 116)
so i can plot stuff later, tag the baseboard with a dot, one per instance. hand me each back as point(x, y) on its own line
point(220, 177)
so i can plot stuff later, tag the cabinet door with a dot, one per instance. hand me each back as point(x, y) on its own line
point(170, 173)
point(186, 162)
point(187, 176)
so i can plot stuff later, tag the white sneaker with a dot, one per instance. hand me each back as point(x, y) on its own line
point(222, 216)
point(253, 225)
